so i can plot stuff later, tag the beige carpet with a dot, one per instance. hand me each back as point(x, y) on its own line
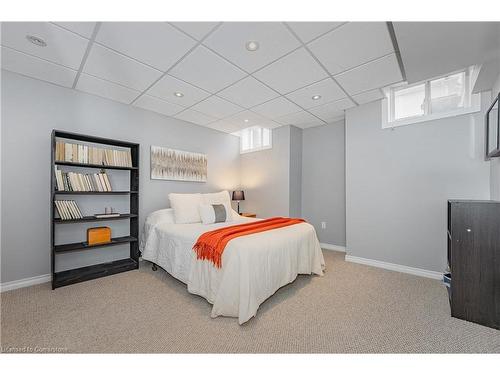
point(353, 308)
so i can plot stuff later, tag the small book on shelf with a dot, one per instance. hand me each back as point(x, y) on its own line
point(104, 216)
point(68, 210)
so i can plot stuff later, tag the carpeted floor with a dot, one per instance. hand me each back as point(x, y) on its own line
point(353, 308)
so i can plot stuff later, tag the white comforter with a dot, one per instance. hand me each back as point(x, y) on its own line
point(253, 268)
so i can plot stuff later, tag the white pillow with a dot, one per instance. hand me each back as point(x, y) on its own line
point(214, 213)
point(219, 198)
point(185, 207)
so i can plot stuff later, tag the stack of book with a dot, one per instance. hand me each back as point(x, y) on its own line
point(71, 181)
point(83, 154)
point(68, 210)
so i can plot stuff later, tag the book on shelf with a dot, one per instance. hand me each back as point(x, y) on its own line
point(84, 154)
point(72, 181)
point(104, 216)
point(68, 210)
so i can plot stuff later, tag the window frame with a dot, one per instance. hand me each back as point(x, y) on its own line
point(261, 148)
point(472, 102)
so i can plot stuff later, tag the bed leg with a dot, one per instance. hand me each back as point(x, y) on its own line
point(153, 267)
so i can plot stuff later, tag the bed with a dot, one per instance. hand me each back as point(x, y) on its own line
point(253, 268)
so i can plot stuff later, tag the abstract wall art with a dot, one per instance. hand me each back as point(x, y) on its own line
point(177, 165)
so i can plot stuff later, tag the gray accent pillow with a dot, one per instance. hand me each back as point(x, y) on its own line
point(220, 213)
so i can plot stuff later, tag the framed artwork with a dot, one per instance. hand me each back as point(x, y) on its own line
point(177, 165)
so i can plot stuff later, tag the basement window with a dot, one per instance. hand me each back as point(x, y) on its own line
point(255, 138)
point(446, 96)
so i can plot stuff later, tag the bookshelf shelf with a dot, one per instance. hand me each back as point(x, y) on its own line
point(77, 275)
point(93, 218)
point(98, 166)
point(83, 245)
point(71, 276)
point(62, 192)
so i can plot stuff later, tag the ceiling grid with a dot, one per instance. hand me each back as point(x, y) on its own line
point(225, 75)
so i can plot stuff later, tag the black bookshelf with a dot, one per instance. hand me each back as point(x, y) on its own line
point(72, 276)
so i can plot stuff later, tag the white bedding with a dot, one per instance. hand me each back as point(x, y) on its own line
point(253, 268)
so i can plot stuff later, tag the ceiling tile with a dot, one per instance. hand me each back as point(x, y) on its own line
point(432, 49)
point(106, 89)
point(230, 41)
point(243, 120)
point(314, 124)
point(196, 29)
point(368, 96)
point(194, 117)
point(376, 74)
point(300, 119)
point(352, 44)
point(82, 28)
point(168, 85)
point(205, 69)
point(291, 72)
point(327, 89)
point(63, 46)
point(217, 107)
point(310, 30)
point(155, 43)
point(34, 67)
point(223, 127)
point(157, 105)
point(107, 64)
point(248, 92)
point(333, 110)
point(276, 108)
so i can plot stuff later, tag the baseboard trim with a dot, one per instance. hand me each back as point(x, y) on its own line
point(327, 246)
point(395, 267)
point(16, 284)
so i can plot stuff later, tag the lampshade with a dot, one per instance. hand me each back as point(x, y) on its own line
point(238, 195)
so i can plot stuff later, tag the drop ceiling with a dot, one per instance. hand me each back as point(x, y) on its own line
point(430, 49)
point(219, 83)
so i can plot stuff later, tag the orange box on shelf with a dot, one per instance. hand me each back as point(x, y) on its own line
point(98, 235)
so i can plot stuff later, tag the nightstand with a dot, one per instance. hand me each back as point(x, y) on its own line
point(247, 214)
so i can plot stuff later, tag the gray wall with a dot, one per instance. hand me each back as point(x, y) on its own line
point(323, 181)
point(30, 110)
point(495, 163)
point(295, 202)
point(265, 177)
point(398, 183)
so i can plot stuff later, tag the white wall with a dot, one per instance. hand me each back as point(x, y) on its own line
point(323, 181)
point(30, 110)
point(272, 178)
point(265, 177)
point(398, 183)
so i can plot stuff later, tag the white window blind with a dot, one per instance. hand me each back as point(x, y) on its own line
point(444, 96)
point(255, 139)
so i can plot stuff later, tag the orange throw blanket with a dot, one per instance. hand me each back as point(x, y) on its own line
point(211, 245)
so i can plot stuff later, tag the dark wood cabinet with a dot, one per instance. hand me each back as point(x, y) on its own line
point(474, 260)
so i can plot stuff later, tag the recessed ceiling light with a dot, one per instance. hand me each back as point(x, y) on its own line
point(246, 120)
point(36, 41)
point(178, 94)
point(316, 97)
point(252, 45)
